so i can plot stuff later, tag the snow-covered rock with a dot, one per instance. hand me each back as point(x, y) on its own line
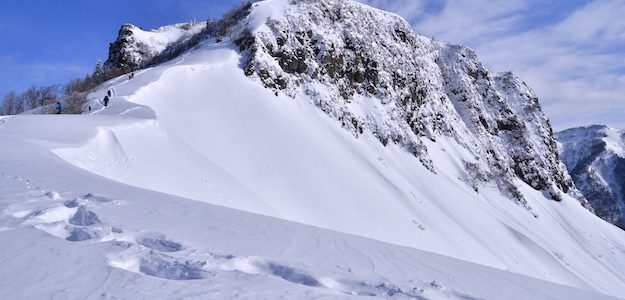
point(595, 157)
point(134, 46)
point(367, 69)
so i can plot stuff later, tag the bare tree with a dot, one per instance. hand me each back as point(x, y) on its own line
point(31, 97)
point(48, 95)
point(75, 103)
point(9, 103)
point(13, 104)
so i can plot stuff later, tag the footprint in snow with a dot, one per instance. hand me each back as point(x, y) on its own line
point(145, 254)
point(52, 195)
point(136, 258)
point(72, 203)
point(158, 242)
point(302, 277)
point(166, 267)
point(290, 274)
point(90, 200)
point(84, 217)
point(71, 220)
point(97, 198)
point(78, 235)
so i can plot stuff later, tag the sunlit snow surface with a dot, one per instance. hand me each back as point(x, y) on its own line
point(188, 183)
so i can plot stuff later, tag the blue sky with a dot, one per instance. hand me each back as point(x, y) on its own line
point(570, 52)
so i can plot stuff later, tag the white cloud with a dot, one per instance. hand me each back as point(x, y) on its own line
point(575, 65)
point(599, 23)
point(473, 20)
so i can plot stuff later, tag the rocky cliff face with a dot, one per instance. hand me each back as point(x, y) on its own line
point(134, 47)
point(368, 70)
point(595, 157)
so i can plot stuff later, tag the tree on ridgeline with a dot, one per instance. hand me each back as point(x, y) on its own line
point(31, 97)
point(48, 95)
point(13, 104)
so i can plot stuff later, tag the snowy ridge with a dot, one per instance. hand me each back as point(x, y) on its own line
point(595, 158)
point(367, 69)
point(135, 46)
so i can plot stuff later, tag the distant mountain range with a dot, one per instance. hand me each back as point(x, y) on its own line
point(595, 157)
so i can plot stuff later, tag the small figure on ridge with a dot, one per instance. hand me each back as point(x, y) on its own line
point(59, 107)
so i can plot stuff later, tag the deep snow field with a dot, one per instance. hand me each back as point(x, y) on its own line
point(148, 245)
point(140, 244)
point(198, 182)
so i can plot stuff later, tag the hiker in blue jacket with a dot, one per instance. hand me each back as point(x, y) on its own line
point(59, 107)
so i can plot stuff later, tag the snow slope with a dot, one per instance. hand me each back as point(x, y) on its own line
point(198, 128)
point(67, 233)
point(595, 157)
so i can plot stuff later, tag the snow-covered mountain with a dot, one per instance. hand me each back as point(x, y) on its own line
point(595, 157)
point(330, 114)
point(368, 70)
point(134, 46)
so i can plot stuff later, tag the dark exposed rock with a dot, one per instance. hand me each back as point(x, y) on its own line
point(120, 54)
